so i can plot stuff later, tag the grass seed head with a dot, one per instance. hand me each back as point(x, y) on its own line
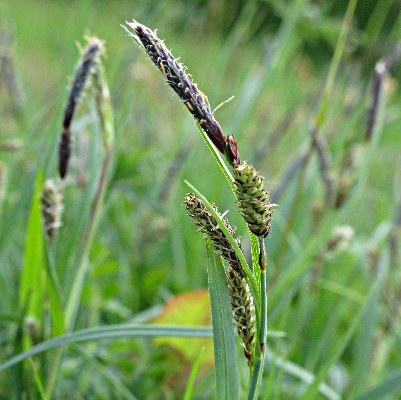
point(52, 207)
point(209, 227)
point(83, 70)
point(85, 67)
point(243, 310)
point(253, 199)
point(175, 75)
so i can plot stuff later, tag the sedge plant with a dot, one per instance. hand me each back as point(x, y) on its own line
point(246, 284)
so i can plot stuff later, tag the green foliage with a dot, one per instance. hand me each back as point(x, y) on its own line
point(339, 310)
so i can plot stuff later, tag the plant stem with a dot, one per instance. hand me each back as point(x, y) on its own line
point(76, 291)
point(257, 371)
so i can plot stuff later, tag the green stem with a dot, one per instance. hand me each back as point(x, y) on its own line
point(258, 366)
point(263, 290)
point(76, 291)
point(257, 372)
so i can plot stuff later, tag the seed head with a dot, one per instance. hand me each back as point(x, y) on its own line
point(52, 207)
point(175, 75)
point(240, 296)
point(346, 179)
point(253, 199)
point(243, 310)
point(84, 69)
point(209, 227)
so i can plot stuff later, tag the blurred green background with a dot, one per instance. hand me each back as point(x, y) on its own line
point(274, 57)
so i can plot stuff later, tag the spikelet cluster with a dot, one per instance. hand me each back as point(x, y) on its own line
point(208, 226)
point(52, 207)
point(347, 177)
point(240, 295)
point(243, 310)
point(253, 198)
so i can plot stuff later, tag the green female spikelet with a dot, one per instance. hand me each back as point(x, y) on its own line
point(51, 201)
point(253, 199)
point(243, 310)
point(208, 226)
point(241, 299)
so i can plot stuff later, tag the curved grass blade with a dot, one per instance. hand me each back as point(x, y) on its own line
point(192, 376)
point(108, 376)
point(109, 332)
point(390, 384)
point(300, 373)
point(340, 347)
point(225, 354)
point(32, 276)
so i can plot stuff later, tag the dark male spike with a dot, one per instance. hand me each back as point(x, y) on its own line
point(175, 75)
point(83, 70)
point(377, 85)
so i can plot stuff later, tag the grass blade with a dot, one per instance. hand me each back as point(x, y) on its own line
point(192, 376)
point(225, 367)
point(31, 289)
point(390, 384)
point(109, 332)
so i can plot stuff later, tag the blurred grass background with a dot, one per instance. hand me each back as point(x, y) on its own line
point(274, 57)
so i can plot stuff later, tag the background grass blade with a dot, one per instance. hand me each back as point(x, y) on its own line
point(225, 352)
point(192, 376)
point(386, 387)
point(108, 332)
point(33, 269)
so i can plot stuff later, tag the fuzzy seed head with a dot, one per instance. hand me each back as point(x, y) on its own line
point(52, 207)
point(243, 310)
point(253, 199)
point(209, 227)
point(175, 75)
point(84, 69)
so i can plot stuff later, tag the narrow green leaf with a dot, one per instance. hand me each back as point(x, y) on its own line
point(54, 293)
point(32, 272)
point(191, 380)
point(106, 374)
point(389, 385)
point(109, 332)
point(38, 381)
point(300, 373)
point(225, 353)
point(340, 347)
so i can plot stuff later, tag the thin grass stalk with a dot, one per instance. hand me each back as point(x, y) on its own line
point(259, 359)
point(105, 115)
point(74, 298)
point(75, 294)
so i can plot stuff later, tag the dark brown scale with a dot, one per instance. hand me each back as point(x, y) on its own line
point(64, 152)
point(179, 81)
